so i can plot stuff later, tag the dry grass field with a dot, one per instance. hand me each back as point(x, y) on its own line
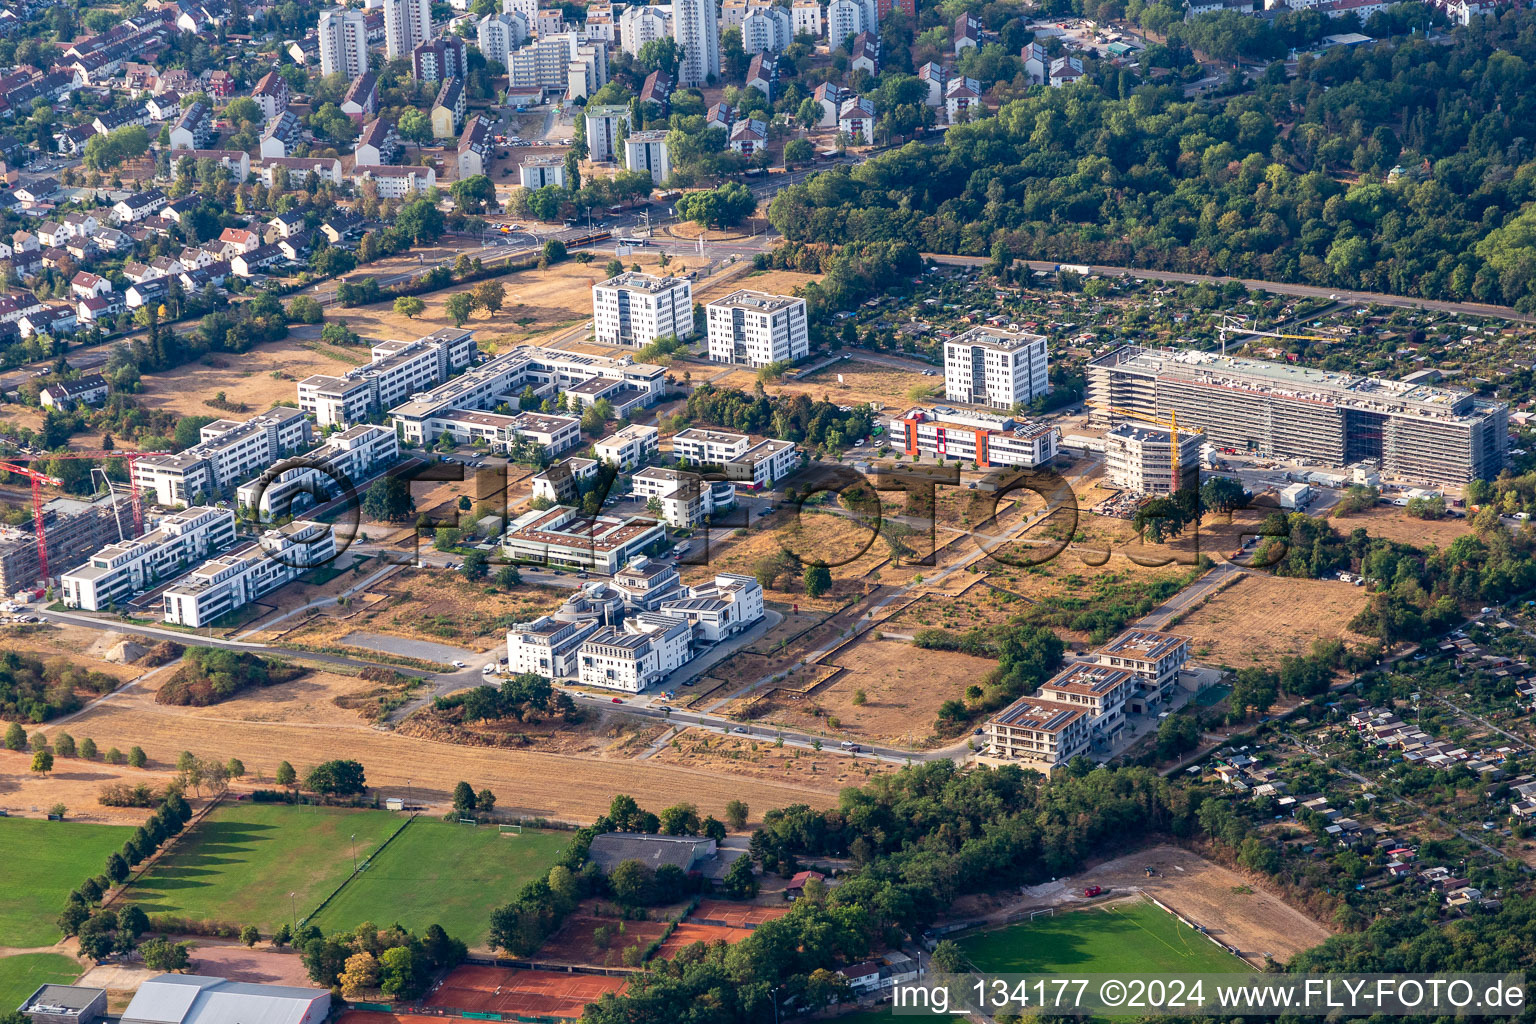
point(536, 302)
point(1395, 524)
point(862, 382)
point(1261, 619)
point(299, 722)
point(74, 782)
point(760, 761)
point(901, 687)
point(257, 379)
point(87, 648)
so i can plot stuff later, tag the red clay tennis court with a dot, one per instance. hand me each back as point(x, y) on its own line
point(737, 915)
point(687, 933)
point(530, 993)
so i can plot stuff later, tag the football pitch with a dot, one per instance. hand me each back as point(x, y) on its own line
point(21, 975)
point(437, 872)
point(44, 861)
point(240, 864)
point(1118, 938)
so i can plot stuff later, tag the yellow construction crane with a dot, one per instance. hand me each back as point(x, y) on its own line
point(1172, 426)
point(1232, 325)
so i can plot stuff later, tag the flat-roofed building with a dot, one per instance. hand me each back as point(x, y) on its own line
point(1036, 733)
point(976, 437)
point(996, 367)
point(551, 435)
point(1154, 656)
point(118, 571)
point(1414, 431)
point(647, 151)
point(629, 447)
point(229, 582)
point(646, 582)
point(726, 605)
point(547, 646)
point(756, 328)
point(564, 536)
point(1101, 690)
point(199, 999)
point(540, 171)
point(636, 309)
point(683, 499)
point(229, 453)
point(1139, 457)
point(397, 370)
point(65, 1004)
point(649, 648)
point(347, 457)
point(563, 482)
point(754, 464)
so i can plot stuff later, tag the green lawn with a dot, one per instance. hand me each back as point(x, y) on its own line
point(440, 873)
point(240, 864)
point(43, 861)
point(1125, 938)
point(20, 975)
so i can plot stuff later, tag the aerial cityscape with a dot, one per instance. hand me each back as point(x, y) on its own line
point(746, 511)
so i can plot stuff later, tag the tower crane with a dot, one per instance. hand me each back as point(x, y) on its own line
point(1234, 325)
point(18, 464)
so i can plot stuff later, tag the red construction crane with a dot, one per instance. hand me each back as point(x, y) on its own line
point(16, 464)
point(37, 479)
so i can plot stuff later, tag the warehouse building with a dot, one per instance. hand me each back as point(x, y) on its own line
point(1415, 431)
point(199, 999)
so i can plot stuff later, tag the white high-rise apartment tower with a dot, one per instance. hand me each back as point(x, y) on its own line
point(636, 309)
point(343, 42)
point(696, 29)
point(500, 34)
point(756, 328)
point(406, 24)
point(991, 366)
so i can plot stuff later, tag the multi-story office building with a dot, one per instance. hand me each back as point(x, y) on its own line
point(550, 434)
point(649, 648)
point(547, 646)
point(980, 438)
point(118, 571)
point(684, 499)
point(398, 370)
point(647, 151)
point(1139, 458)
point(991, 366)
point(564, 482)
point(753, 464)
point(636, 309)
point(500, 34)
point(1101, 690)
point(1038, 733)
point(563, 536)
point(343, 42)
point(229, 453)
point(720, 608)
point(346, 457)
point(407, 24)
point(548, 371)
point(229, 582)
point(756, 328)
point(1415, 432)
point(628, 448)
point(646, 582)
point(1156, 659)
point(696, 30)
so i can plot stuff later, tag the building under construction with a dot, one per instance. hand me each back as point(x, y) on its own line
point(1413, 431)
point(75, 529)
point(1139, 458)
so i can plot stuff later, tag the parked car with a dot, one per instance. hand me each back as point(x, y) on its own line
point(1094, 890)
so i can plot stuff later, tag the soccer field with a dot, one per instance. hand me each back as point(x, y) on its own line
point(20, 975)
point(239, 864)
point(1119, 938)
point(44, 861)
point(436, 872)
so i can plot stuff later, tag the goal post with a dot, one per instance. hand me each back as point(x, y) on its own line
point(509, 830)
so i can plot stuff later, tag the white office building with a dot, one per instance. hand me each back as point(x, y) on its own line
point(744, 461)
point(628, 448)
point(343, 42)
point(547, 646)
point(647, 151)
point(551, 435)
point(650, 647)
point(398, 369)
point(229, 453)
point(636, 309)
point(407, 24)
point(229, 582)
point(119, 571)
point(563, 482)
point(562, 536)
point(726, 605)
point(697, 31)
point(996, 367)
point(756, 328)
point(684, 499)
point(347, 457)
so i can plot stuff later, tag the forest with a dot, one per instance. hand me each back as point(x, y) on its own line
point(1402, 167)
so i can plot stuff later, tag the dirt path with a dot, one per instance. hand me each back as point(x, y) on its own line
point(1235, 911)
